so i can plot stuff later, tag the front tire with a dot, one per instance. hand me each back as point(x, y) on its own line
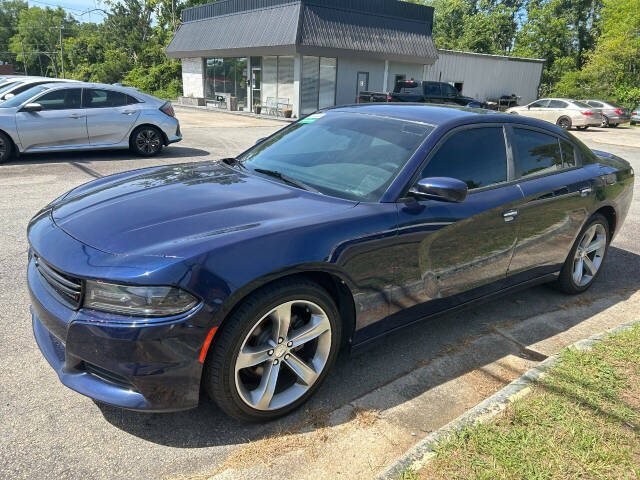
point(274, 351)
point(146, 141)
point(6, 148)
point(584, 262)
point(605, 122)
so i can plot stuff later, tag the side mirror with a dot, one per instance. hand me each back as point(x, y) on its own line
point(443, 189)
point(8, 96)
point(32, 107)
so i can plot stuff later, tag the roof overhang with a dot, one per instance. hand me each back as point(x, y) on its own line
point(386, 29)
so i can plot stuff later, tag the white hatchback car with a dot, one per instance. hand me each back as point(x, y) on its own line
point(85, 116)
point(564, 112)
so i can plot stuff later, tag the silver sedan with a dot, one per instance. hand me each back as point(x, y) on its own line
point(85, 116)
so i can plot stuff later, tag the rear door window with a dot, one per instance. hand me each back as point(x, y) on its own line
point(476, 156)
point(536, 152)
point(558, 104)
point(568, 154)
point(96, 98)
point(539, 104)
point(432, 89)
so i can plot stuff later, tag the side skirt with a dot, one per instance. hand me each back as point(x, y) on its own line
point(364, 344)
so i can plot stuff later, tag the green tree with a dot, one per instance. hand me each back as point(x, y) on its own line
point(38, 30)
point(612, 69)
point(9, 13)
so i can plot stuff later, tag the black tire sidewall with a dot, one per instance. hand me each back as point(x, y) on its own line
point(9, 151)
point(561, 120)
point(134, 147)
point(220, 383)
point(566, 274)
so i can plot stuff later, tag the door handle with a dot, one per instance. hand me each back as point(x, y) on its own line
point(510, 215)
point(76, 115)
point(585, 191)
point(128, 112)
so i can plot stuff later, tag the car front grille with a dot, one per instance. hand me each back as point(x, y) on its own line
point(67, 288)
point(108, 376)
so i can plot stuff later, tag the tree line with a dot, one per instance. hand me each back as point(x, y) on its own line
point(591, 47)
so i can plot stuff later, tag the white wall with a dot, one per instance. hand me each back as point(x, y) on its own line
point(193, 77)
point(348, 69)
point(410, 70)
point(487, 76)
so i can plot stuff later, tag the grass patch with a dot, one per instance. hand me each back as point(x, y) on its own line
point(580, 421)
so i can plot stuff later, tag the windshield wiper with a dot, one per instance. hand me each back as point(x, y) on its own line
point(234, 162)
point(287, 179)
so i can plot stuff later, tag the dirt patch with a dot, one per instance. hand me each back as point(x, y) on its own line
point(364, 417)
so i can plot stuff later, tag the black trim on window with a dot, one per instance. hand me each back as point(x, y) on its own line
point(441, 142)
point(519, 177)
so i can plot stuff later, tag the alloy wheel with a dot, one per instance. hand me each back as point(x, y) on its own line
point(148, 141)
point(589, 254)
point(605, 121)
point(564, 123)
point(283, 355)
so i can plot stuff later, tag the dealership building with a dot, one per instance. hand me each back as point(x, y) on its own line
point(309, 54)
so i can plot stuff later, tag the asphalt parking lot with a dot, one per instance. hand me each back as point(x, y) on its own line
point(48, 431)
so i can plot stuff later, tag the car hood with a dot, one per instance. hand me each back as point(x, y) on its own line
point(160, 211)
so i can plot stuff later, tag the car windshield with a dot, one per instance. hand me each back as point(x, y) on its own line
point(22, 97)
point(343, 154)
point(580, 104)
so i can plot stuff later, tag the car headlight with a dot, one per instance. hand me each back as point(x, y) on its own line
point(141, 301)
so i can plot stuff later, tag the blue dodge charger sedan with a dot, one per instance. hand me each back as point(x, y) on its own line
point(245, 276)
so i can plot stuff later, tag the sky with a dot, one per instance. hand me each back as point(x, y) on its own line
point(78, 8)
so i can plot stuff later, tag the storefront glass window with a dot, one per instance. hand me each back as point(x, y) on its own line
point(227, 76)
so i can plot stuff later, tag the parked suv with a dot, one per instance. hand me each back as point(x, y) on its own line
point(421, 92)
point(612, 115)
point(564, 112)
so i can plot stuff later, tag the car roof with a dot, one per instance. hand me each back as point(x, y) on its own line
point(134, 92)
point(443, 115)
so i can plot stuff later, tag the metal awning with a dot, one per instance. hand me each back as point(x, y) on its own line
point(380, 29)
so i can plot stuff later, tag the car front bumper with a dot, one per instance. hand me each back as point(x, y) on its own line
point(123, 362)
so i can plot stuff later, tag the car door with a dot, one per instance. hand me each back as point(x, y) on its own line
point(61, 122)
point(449, 253)
point(554, 110)
point(110, 115)
point(557, 198)
point(536, 109)
point(433, 92)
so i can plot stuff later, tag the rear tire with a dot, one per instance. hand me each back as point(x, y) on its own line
point(564, 123)
point(615, 125)
point(605, 122)
point(6, 148)
point(146, 141)
point(577, 273)
point(240, 384)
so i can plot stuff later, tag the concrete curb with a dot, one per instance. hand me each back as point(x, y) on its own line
point(422, 453)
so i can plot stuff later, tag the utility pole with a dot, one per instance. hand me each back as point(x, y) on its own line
point(61, 53)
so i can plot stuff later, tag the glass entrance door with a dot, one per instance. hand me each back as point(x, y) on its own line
point(256, 81)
